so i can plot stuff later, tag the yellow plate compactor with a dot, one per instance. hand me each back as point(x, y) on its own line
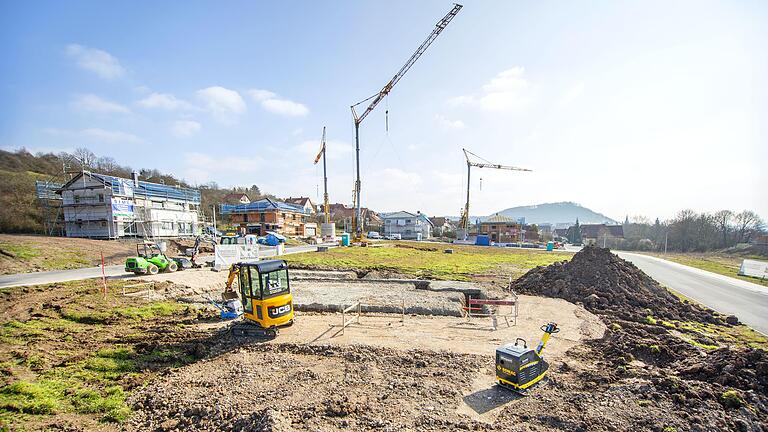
point(519, 367)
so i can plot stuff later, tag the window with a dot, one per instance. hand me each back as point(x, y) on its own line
point(77, 198)
point(101, 197)
point(261, 217)
point(274, 283)
point(157, 204)
point(493, 226)
point(167, 225)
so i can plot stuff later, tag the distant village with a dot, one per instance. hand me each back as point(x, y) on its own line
point(96, 205)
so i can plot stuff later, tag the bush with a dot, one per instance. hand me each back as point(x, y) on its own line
point(650, 320)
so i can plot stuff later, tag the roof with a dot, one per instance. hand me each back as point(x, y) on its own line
point(262, 205)
point(302, 201)
point(398, 215)
point(125, 187)
point(439, 220)
point(235, 196)
point(497, 218)
point(594, 230)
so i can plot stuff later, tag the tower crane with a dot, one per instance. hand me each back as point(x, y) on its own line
point(464, 221)
point(320, 154)
point(378, 97)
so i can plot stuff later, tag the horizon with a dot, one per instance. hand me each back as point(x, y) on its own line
point(627, 109)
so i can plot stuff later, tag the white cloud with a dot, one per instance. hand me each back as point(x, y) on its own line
point(224, 104)
point(333, 149)
point(449, 124)
point(185, 128)
point(274, 104)
point(95, 60)
point(96, 134)
point(111, 136)
point(572, 94)
point(90, 102)
point(507, 91)
point(165, 101)
point(203, 168)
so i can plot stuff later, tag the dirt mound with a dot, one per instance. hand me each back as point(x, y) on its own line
point(605, 283)
point(747, 369)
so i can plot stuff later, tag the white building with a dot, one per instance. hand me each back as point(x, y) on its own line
point(410, 226)
point(103, 206)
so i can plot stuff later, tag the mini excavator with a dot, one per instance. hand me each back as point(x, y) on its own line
point(519, 367)
point(265, 296)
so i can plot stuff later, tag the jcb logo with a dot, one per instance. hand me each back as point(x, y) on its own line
point(278, 311)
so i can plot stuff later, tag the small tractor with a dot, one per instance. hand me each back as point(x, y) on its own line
point(265, 297)
point(150, 259)
point(519, 367)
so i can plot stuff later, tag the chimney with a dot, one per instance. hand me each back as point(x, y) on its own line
point(135, 176)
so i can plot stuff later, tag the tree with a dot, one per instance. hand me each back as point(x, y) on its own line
point(84, 157)
point(722, 220)
point(574, 233)
point(747, 223)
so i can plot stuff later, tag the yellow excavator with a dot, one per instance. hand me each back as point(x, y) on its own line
point(265, 292)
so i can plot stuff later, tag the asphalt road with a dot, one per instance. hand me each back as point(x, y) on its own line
point(112, 271)
point(727, 295)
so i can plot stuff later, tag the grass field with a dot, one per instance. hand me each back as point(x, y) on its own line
point(429, 260)
point(727, 265)
point(69, 357)
point(30, 253)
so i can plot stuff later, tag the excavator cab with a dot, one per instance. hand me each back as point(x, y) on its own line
point(265, 292)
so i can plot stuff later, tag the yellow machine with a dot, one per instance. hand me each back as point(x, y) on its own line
point(519, 367)
point(265, 292)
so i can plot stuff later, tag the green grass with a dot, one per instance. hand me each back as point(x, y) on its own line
point(720, 264)
point(21, 251)
point(420, 261)
point(738, 336)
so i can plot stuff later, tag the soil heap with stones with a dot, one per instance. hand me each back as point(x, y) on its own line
point(606, 284)
point(646, 341)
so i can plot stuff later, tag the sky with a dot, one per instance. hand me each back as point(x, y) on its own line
point(626, 107)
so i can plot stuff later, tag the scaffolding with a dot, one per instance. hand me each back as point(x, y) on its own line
point(89, 209)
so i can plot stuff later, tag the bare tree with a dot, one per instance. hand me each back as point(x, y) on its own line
point(747, 223)
point(84, 157)
point(722, 220)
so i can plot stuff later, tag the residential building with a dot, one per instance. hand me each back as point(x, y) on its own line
point(501, 229)
point(304, 202)
point(341, 213)
point(410, 226)
point(264, 215)
point(442, 226)
point(601, 234)
point(102, 206)
point(236, 198)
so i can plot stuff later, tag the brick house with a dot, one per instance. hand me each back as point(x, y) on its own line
point(258, 217)
point(600, 233)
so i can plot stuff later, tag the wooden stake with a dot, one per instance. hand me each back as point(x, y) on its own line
point(103, 274)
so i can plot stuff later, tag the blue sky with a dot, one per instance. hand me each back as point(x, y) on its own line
point(629, 108)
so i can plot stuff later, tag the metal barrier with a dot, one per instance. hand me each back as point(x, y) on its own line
point(476, 307)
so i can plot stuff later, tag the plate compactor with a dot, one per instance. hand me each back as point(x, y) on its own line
point(519, 367)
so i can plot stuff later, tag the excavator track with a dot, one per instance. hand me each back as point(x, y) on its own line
point(247, 330)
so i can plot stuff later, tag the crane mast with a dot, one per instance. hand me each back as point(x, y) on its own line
point(464, 221)
point(321, 153)
point(378, 97)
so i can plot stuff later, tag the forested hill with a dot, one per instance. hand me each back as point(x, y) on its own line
point(20, 211)
point(554, 213)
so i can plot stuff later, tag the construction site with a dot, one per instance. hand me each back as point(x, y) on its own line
point(277, 322)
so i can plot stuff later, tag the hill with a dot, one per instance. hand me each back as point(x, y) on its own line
point(554, 213)
point(20, 211)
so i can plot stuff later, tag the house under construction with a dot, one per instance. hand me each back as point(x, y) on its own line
point(103, 206)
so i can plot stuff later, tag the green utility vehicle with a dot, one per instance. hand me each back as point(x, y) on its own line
point(150, 260)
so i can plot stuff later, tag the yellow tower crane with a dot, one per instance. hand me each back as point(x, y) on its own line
point(378, 97)
point(464, 221)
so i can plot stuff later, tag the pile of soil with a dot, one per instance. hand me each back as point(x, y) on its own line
point(640, 347)
point(746, 369)
point(607, 284)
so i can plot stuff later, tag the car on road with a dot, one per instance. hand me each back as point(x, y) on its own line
point(393, 237)
point(374, 235)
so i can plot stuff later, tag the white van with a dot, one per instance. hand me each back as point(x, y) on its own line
point(374, 235)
